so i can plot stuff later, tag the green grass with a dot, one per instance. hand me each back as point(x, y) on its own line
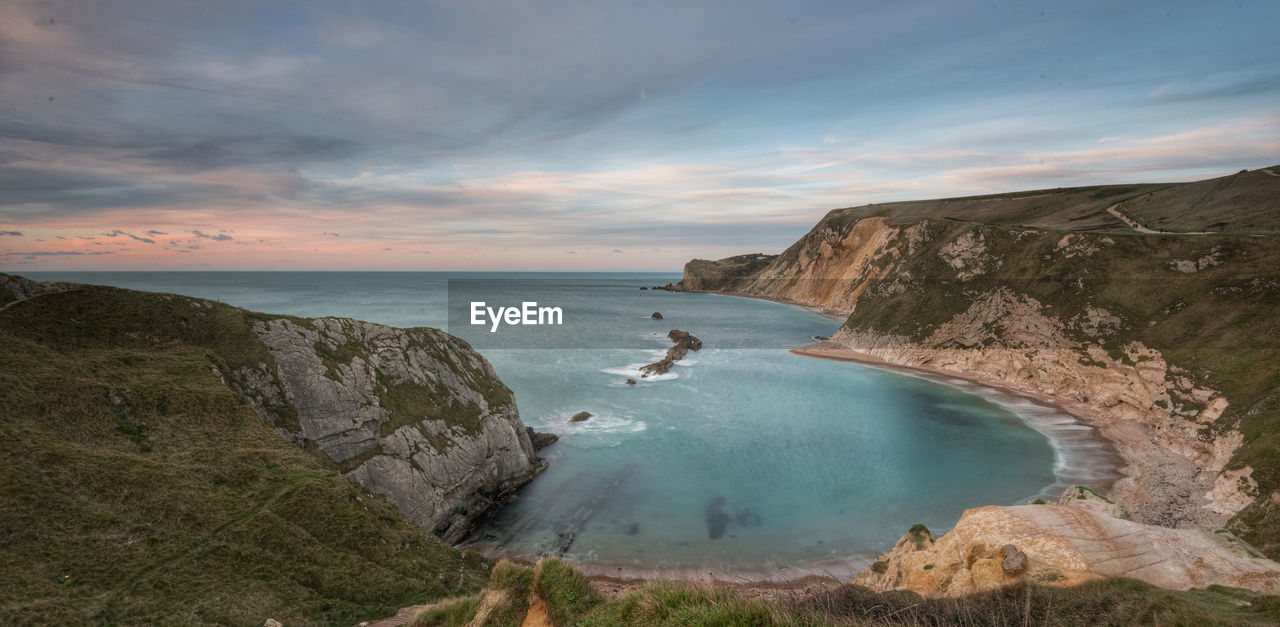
point(566, 591)
point(138, 488)
point(451, 613)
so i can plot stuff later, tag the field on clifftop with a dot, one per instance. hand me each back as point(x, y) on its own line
point(138, 488)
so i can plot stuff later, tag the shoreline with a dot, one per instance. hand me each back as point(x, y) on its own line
point(833, 571)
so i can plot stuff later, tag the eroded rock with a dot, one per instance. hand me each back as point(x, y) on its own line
point(414, 414)
point(1063, 545)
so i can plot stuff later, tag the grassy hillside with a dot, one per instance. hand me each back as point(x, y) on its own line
point(1244, 202)
point(557, 591)
point(138, 488)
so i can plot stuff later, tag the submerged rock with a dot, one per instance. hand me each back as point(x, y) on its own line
point(631, 381)
point(580, 416)
point(717, 519)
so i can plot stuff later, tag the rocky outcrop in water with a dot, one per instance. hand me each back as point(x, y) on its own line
point(580, 416)
point(414, 414)
point(1062, 545)
point(684, 342)
point(541, 440)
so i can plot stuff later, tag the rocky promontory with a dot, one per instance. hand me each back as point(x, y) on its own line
point(414, 414)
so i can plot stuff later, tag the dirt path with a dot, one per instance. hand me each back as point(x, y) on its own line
point(1271, 173)
point(1133, 224)
point(32, 297)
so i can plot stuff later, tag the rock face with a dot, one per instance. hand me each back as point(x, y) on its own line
point(1061, 545)
point(414, 414)
point(684, 342)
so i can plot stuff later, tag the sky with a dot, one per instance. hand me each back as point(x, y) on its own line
point(516, 135)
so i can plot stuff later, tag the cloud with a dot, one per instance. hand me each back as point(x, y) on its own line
point(331, 234)
point(220, 237)
point(59, 253)
point(603, 129)
point(11, 233)
point(117, 232)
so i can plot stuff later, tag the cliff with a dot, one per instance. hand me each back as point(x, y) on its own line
point(142, 483)
point(1166, 342)
point(414, 414)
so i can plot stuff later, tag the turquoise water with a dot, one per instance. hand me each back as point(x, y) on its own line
point(743, 457)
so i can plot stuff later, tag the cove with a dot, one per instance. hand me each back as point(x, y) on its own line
point(744, 458)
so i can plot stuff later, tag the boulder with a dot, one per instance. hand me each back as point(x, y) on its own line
point(656, 315)
point(580, 416)
point(631, 381)
point(1015, 561)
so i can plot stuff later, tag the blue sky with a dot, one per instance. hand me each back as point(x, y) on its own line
point(592, 135)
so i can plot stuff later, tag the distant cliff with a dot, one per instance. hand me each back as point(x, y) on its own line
point(1167, 342)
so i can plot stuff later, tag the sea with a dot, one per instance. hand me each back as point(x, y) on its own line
point(743, 460)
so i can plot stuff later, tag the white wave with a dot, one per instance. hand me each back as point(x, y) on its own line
point(598, 423)
point(632, 371)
